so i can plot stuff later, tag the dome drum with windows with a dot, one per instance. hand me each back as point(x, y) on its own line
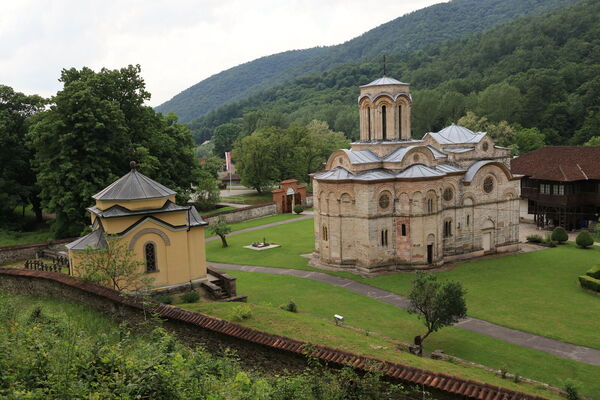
point(167, 239)
point(392, 202)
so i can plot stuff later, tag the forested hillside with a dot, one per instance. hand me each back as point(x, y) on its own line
point(537, 72)
point(410, 32)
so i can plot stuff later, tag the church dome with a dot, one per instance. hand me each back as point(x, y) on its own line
point(133, 186)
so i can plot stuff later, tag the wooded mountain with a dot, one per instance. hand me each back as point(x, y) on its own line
point(413, 31)
point(538, 72)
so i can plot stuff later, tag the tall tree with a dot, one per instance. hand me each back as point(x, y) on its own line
point(95, 126)
point(224, 137)
point(17, 179)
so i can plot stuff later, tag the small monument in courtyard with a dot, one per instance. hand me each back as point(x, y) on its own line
point(392, 202)
point(168, 239)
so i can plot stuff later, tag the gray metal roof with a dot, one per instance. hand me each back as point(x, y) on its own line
point(120, 211)
point(94, 240)
point(384, 80)
point(398, 154)
point(474, 168)
point(361, 156)
point(419, 171)
point(458, 150)
point(374, 175)
point(194, 218)
point(449, 168)
point(134, 186)
point(335, 174)
point(455, 134)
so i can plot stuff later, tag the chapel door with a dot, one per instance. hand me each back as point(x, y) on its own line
point(429, 253)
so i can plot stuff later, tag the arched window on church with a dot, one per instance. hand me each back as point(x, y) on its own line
point(369, 122)
point(430, 205)
point(150, 253)
point(384, 238)
point(448, 228)
point(325, 233)
point(403, 229)
point(384, 122)
point(400, 120)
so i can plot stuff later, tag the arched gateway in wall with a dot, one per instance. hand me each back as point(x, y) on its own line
point(392, 202)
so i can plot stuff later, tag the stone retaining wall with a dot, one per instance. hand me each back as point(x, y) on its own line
point(11, 254)
point(255, 348)
point(243, 214)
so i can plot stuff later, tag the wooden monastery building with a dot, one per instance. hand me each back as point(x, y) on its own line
point(392, 202)
point(561, 186)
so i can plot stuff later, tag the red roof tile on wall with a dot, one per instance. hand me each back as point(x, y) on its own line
point(433, 380)
point(559, 163)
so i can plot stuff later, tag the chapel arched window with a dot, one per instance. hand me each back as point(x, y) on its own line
point(488, 184)
point(150, 253)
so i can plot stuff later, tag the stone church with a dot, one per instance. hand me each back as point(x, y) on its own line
point(395, 203)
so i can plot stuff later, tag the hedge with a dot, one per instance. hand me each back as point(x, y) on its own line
point(594, 272)
point(588, 282)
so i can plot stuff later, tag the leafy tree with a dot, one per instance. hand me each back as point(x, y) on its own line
point(584, 239)
point(594, 141)
point(212, 165)
point(224, 137)
point(221, 229)
point(256, 161)
point(501, 132)
point(206, 192)
point(528, 139)
point(559, 235)
point(17, 179)
point(499, 102)
point(114, 266)
point(95, 126)
point(437, 304)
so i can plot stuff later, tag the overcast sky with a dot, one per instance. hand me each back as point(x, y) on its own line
point(177, 42)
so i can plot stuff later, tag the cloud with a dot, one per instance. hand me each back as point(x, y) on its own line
point(177, 43)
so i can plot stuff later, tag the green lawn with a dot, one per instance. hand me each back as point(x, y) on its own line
point(295, 238)
point(249, 198)
point(387, 324)
point(12, 238)
point(256, 222)
point(536, 292)
point(217, 210)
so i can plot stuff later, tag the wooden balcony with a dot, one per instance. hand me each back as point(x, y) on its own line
point(567, 200)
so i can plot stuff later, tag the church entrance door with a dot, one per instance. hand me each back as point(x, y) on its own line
point(429, 253)
point(487, 241)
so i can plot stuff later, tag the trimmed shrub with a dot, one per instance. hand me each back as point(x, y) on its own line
point(535, 239)
point(190, 297)
point(594, 272)
point(291, 307)
point(587, 282)
point(559, 235)
point(571, 391)
point(298, 209)
point(584, 239)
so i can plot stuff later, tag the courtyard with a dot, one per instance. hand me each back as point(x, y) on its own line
point(519, 291)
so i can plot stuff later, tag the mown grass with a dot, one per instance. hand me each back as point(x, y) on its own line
point(320, 301)
point(537, 292)
point(249, 198)
point(217, 210)
point(12, 238)
point(255, 222)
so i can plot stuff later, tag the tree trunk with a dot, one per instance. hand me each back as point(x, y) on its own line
point(223, 240)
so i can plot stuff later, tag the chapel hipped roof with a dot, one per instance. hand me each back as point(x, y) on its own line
point(560, 163)
point(133, 186)
point(456, 134)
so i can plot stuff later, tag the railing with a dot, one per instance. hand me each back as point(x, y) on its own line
point(39, 265)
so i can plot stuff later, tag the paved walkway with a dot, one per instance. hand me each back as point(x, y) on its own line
point(550, 346)
point(256, 228)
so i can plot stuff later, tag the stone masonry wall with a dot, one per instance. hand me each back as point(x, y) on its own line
point(243, 214)
point(12, 254)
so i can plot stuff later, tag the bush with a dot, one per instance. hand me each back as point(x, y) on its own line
point(559, 235)
point(298, 209)
point(164, 298)
point(584, 239)
point(587, 282)
point(535, 239)
point(291, 307)
point(190, 297)
point(594, 272)
point(241, 312)
point(571, 391)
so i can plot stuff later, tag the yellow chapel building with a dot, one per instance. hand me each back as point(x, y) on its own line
point(167, 238)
